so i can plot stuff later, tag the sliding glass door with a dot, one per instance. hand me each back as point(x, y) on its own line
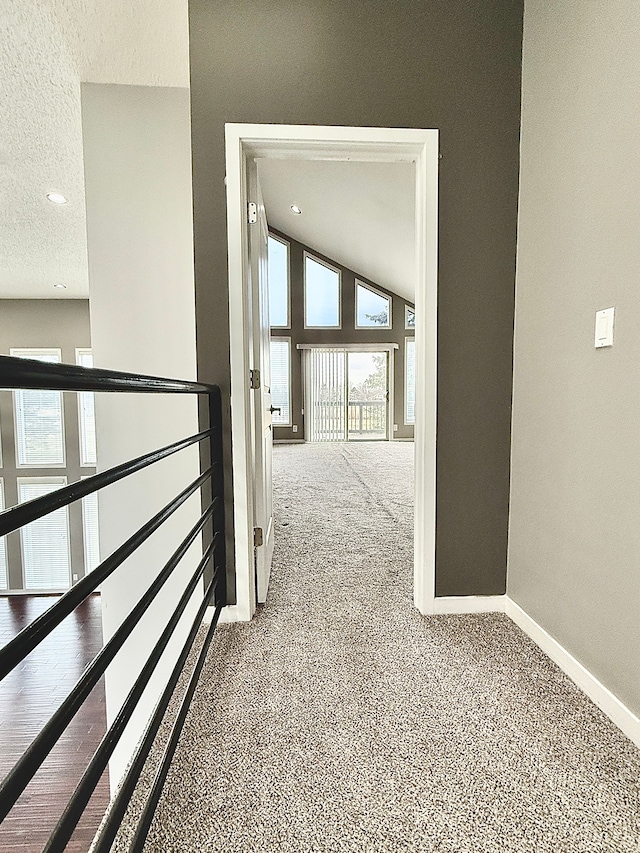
point(368, 395)
point(346, 395)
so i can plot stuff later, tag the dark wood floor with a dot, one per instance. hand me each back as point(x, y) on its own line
point(28, 697)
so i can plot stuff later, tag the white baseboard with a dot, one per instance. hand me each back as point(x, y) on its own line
point(580, 675)
point(600, 695)
point(469, 604)
point(230, 613)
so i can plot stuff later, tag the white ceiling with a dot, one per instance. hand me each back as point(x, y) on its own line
point(46, 49)
point(360, 214)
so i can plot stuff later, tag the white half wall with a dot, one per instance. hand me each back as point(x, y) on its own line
point(140, 244)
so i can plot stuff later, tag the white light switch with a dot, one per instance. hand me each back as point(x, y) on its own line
point(604, 327)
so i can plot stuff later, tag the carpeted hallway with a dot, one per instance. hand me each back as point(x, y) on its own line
point(340, 719)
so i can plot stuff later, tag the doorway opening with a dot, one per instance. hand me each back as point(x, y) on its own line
point(245, 145)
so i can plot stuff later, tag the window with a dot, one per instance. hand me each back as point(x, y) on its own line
point(46, 561)
point(38, 418)
point(278, 271)
point(281, 380)
point(409, 317)
point(321, 295)
point(373, 309)
point(86, 414)
point(410, 381)
point(4, 579)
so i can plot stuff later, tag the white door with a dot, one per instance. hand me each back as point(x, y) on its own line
point(262, 412)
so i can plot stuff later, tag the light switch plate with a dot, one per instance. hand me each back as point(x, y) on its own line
point(604, 328)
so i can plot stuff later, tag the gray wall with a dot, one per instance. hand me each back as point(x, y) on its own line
point(574, 535)
point(348, 334)
point(453, 66)
point(61, 323)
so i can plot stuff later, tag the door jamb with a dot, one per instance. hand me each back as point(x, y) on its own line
point(310, 142)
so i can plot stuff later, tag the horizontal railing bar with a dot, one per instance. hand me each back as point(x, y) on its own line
point(144, 823)
point(76, 805)
point(27, 765)
point(28, 373)
point(17, 516)
point(24, 642)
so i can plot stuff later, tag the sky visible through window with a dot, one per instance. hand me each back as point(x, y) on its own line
point(372, 309)
point(278, 289)
point(322, 295)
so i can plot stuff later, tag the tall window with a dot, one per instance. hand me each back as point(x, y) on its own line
point(410, 381)
point(278, 269)
point(4, 575)
point(86, 414)
point(38, 416)
point(46, 560)
point(373, 309)
point(321, 295)
point(281, 380)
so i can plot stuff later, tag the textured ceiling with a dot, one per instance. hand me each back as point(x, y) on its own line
point(359, 214)
point(46, 50)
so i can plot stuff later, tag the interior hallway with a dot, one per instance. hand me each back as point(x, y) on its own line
point(340, 719)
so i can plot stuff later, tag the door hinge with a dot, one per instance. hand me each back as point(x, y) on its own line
point(258, 537)
point(252, 212)
point(254, 379)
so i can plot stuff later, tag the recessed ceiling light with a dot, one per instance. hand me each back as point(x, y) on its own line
point(61, 286)
point(295, 209)
point(56, 198)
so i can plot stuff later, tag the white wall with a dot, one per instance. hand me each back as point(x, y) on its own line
point(574, 532)
point(140, 246)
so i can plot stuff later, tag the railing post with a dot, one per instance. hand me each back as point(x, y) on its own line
point(217, 491)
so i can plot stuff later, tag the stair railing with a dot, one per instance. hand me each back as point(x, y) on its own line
point(18, 373)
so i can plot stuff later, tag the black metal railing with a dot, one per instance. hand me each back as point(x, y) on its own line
point(16, 373)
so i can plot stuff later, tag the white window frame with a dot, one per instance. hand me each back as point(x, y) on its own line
point(408, 308)
point(389, 324)
point(59, 481)
point(287, 340)
point(407, 341)
point(310, 255)
point(33, 352)
point(80, 351)
point(288, 245)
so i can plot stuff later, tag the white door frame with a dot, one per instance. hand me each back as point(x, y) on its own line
point(310, 142)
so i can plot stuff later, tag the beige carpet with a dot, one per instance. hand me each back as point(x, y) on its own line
point(342, 720)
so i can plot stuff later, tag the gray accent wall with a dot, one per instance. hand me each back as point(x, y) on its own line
point(574, 533)
point(450, 65)
point(347, 334)
point(63, 324)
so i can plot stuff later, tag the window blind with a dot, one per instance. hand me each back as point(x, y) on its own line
point(39, 425)
point(4, 579)
point(87, 414)
point(90, 532)
point(325, 394)
point(46, 562)
point(280, 381)
point(410, 381)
